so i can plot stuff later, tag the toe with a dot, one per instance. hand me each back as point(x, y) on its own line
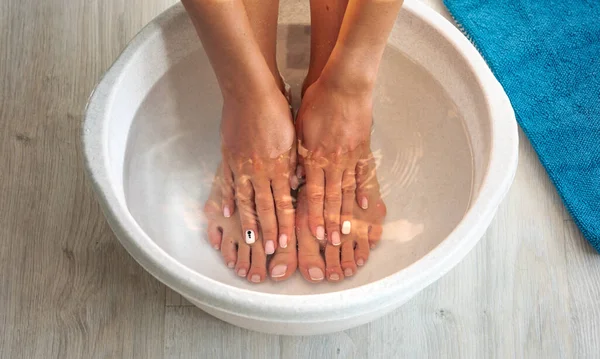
point(332, 262)
point(310, 261)
point(361, 252)
point(243, 260)
point(348, 261)
point(214, 235)
point(228, 251)
point(376, 228)
point(315, 196)
point(258, 265)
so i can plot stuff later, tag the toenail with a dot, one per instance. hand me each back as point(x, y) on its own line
point(231, 264)
point(372, 246)
point(335, 238)
point(315, 273)
point(364, 203)
point(250, 239)
point(255, 278)
point(320, 233)
point(294, 183)
point(269, 247)
point(242, 272)
point(346, 227)
point(348, 272)
point(279, 271)
point(283, 240)
point(360, 262)
point(334, 276)
point(216, 246)
point(226, 212)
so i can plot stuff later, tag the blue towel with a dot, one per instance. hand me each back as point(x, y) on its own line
point(546, 55)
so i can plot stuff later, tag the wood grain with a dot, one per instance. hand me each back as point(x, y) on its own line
point(68, 289)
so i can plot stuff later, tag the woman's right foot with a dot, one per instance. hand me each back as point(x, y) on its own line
point(225, 235)
point(341, 261)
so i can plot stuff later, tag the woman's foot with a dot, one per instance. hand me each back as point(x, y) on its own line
point(258, 145)
point(341, 261)
point(225, 235)
point(334, 129)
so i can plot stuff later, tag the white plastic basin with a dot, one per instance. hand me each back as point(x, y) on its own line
point(445, 136)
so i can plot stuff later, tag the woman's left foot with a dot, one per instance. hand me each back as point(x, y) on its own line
point(343, 260)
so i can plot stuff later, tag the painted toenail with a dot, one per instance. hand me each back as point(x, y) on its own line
point(335, 238)
point(315, 273)
point(242, 272)
point(294, 183)
point(231, 264)
point(348, 272)
point(283, 240)
point(226, 212)
point(269, 247)
point(346, 227)
point(250, 239)
point(364, 203)
point(320, 233)
point(279, 271)
point(216, 246)
point(255, 278)
point(360, 262)
point(372, 246)
point(334, 276)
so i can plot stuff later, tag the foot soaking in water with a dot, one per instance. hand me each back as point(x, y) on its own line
point(302, 191)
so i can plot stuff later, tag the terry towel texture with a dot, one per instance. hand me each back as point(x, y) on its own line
point(546, 55)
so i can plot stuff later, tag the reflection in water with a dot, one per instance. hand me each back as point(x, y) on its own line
point(422, 155)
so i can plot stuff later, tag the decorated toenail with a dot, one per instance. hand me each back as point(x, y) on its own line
point(269, 247)
point(315, 273)
point(278, 271)
point(334, 276)
point(360, 262)
point(255, 278)
point(320, 233)
point(231, 264)
point(335, 238)
point(283, 240)
point(348, 272)
point(226, 212)
point(242, 272)
point(250, 239)
point(346, 227)
point(364, 203)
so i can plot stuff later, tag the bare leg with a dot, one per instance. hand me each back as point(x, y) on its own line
point(262, 15)
point(326, 20)
point(239, 38)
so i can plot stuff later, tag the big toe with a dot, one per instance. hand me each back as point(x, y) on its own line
point(284, 262)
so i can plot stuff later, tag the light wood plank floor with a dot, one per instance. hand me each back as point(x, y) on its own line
point(530, 289)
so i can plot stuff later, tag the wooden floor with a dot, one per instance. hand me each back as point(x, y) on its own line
point(530, 289)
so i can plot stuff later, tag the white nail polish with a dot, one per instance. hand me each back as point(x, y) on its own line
point(226, 212)
point(250, 239)
point(346, 227)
